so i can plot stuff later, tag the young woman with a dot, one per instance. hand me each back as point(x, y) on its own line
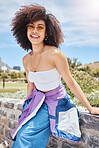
point(48, 107)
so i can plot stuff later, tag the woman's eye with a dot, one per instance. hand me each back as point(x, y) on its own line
point(40, 28)
point(31, 26)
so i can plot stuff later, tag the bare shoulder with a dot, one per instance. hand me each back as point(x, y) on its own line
point(55, 53)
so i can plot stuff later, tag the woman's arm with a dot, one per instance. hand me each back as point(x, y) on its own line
point(62, 66)
point(30, 86)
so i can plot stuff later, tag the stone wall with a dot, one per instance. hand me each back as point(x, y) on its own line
point(10, 109)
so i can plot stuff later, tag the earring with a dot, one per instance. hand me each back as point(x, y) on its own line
point(46, 37)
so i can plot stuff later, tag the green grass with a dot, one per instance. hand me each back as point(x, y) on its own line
point(9, 90)
point(12, 87)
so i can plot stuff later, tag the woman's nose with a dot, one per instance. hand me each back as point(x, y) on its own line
point(35, 30)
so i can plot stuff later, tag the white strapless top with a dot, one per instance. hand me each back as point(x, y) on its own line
point(45, 80)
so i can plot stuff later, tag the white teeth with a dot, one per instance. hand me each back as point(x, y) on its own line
point(34, 36)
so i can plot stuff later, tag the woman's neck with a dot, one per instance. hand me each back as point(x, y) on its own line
point(37, 48)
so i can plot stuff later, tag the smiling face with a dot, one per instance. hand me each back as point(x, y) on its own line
point(36, 32)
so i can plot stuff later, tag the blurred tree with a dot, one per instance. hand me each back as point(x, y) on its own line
point(20, 74)
point(4, 75)
point(95, 72)
point(14, 75)
point(73, 62)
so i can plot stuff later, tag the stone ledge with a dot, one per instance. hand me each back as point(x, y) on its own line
point(10, 109)
point(59, 143)
point(89, 121)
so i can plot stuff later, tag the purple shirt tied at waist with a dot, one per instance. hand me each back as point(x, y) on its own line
point(59, 105)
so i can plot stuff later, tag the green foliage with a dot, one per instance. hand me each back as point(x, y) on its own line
point(14, 75)
point(4, 75)
point(84, 77)
point(86, 69)
point(95, 72)
point(86, 82)
point(93, 98)
point(92, 71)
point(73, 62)
point(20, 74)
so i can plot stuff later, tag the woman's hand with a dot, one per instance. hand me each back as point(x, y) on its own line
point(94, 111)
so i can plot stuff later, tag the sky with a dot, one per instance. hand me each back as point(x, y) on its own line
point(79, 20)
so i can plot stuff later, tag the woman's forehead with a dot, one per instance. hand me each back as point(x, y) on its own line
point(39, 22)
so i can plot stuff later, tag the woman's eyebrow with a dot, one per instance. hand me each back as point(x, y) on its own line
point(41, 24)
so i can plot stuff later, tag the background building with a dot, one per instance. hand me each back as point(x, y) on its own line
point(17, 68)
point(6, 68)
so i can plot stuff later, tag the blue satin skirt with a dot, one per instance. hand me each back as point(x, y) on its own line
point(35, 133)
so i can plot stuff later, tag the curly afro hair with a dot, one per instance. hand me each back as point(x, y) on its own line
point(29, 14)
